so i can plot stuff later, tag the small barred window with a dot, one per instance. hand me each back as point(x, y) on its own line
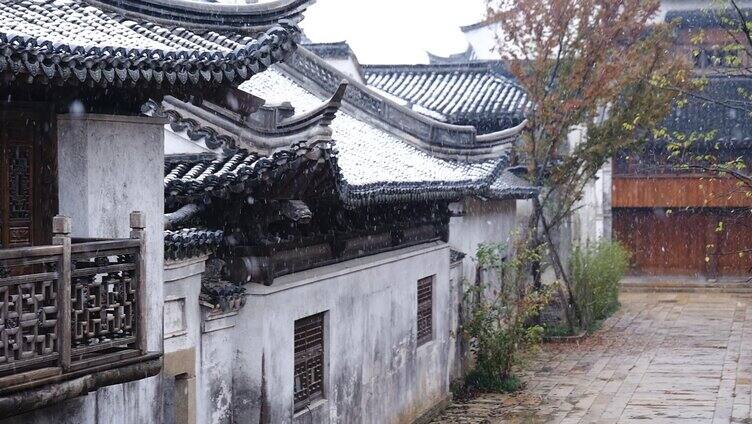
point(309, 360)
point(425, 310)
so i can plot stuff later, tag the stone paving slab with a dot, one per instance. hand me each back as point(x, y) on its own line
point(662, 358)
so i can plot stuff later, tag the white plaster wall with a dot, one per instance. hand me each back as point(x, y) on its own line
point(489, 221)
point(220, 358)
point(375, 372)
point(484, 221)
point(182, 314)
point(176, 144)
point(457, 349)
point(212, 336)
point(108, 167)
point(591, 220)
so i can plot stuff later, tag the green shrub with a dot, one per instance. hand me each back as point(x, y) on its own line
point(596, 272)
point(497, 326)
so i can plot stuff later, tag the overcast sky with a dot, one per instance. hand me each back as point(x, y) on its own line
point(393, 31)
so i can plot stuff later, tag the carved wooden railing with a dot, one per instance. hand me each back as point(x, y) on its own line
point(71, 306)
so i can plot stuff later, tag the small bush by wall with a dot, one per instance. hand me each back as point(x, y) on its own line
point(596, 272)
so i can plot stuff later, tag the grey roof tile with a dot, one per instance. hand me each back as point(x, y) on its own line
point(472, 93)
point(191, 242)
point(720, 108)
point(73, 41)
point(197, 178)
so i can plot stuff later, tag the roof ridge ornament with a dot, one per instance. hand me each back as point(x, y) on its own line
point(201, 123)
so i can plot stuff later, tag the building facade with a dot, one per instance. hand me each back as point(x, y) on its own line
point(194, 231)
point(657, 196)
point(82, 175)
point(337, 296)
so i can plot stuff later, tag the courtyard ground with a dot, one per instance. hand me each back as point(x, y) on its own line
point(662, 358)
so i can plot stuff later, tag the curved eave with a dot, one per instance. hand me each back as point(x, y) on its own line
point(517, 193)
point(384, 192)
point(34, 60)
point(217, 16)
point(220, 178)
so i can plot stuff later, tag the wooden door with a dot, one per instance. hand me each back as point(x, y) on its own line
point(733, 244)
point(27, 177)
point(696, 241)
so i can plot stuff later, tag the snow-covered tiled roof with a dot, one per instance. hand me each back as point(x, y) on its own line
point(362, 145)
point(471, 93)
point(440, 139)
point(76, 41)
point(374, 162)
point(509, 186)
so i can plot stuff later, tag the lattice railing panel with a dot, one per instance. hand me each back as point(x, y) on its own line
point(29, 304)
point(104, 298)
point(72, 308)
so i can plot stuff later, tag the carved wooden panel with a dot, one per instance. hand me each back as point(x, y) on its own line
point(19, 181)
point(22, 141)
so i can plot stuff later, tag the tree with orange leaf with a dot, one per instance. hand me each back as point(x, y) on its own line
point(601, 66)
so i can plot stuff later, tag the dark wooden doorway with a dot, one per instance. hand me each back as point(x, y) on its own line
point(28, 175)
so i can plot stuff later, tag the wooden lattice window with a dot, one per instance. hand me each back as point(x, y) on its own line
point(425, 310)
point(309, 360)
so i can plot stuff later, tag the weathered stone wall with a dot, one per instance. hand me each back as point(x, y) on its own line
point(200, 350)
point(108, 167)
point(375, 372)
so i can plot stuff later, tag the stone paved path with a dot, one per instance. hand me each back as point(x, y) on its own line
point(663, 358)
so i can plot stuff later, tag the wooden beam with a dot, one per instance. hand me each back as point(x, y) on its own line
point(138, 232)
